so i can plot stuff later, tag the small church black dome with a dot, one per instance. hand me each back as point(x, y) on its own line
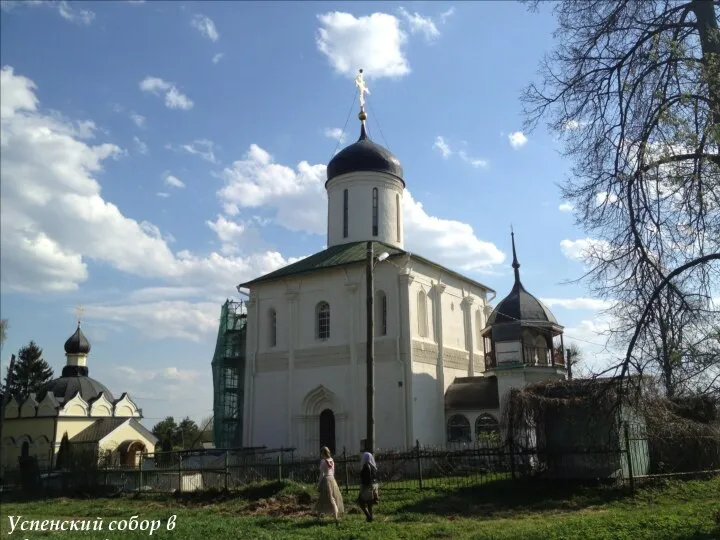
point(364, 155)
point(74, 379)
point(77, 343)
point(520, 305)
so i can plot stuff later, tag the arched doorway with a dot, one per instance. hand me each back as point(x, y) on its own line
point(130, 452)
point(327, 429)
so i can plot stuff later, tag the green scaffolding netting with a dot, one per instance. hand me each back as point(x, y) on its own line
point(228, 368)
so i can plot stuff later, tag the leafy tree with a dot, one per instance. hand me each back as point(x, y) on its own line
point(173, 435)
point(63, 459)
point(30, 372)
point(188, 433)
point(633, 90)
point(166, 430)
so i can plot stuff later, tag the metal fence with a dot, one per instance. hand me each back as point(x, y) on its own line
point(631, 457)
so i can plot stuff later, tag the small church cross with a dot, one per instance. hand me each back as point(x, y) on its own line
point(360, 83)
point(79, 310)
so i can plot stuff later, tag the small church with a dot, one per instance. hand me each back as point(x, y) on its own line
point(76, 406)
point(444, 358)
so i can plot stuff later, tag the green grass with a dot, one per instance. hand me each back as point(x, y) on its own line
point(503, 509)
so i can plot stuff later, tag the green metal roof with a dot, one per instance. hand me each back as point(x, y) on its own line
point(350, 253)
point(340, 255)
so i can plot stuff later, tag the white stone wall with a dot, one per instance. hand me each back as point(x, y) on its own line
point(290, 383)
point(360, 186)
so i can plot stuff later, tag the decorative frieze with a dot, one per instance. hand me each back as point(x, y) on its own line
point(455, 358)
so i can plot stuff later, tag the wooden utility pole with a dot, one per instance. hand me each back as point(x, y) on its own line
point(370, 442)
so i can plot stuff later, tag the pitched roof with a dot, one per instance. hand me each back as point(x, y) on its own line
point(344, 254)
point(472, 393)
point(339, 255)
point(98, 429)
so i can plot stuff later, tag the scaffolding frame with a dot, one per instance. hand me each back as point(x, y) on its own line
point(228, 368)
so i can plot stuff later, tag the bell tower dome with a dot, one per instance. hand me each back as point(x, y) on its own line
point(365, 189)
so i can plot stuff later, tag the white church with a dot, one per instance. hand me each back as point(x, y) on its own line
point(444, 358)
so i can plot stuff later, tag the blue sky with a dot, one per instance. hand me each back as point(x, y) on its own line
point(156, 154)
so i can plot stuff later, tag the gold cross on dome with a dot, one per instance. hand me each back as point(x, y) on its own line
point(79, 310)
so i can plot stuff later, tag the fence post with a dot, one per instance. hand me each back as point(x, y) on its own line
point(179, 473)
point(629, 458)
point(347, 477)
point(140, 483)
point(511, 450)
point(419, 462)
point(279, 460)
point(227, 470)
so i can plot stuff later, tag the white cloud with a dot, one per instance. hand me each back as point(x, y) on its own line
point(174, 99)
point(230, 234)
point(517, 139)
point(298, 196)
point(420, 25)
point(203, 148)
point(374, 43)
point(605, 197)
point(171, 373)
point(447, 240)
point(571, 125)
point(173, 181)
point(578, 303)
point(299, 200)
point(336, 133)
point(82, 17)
point(162, 194)
point(46, 166)
point(566, 207)
point(217, 58)
point(579, 249)
point(141, 146)
point(139, 119)
point(206, 27)
point(445, 15)
point(475, 162)
point(443, 147)
point(79, 16)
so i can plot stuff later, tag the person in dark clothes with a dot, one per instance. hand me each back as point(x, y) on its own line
point(369, 493)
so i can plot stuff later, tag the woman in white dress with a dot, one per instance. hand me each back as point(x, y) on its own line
point(330, 500)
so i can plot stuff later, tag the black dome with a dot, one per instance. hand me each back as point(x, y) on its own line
point(520, 305)
point(74, 379)
point(77, 343)
point(364, 155)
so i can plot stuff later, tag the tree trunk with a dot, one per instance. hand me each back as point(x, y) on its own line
point(709, 33)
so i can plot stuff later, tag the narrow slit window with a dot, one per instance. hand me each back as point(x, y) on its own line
point(380, 314)
point(273, 328)
point(345, 213)
point(397, 216)
point(375, 211)
point(323, 320)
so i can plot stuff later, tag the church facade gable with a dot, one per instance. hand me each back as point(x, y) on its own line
point(101, 406)
point(76, 406)
point(12, 408)
point(126, 407)
point(48, 406)
point(29, 408)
